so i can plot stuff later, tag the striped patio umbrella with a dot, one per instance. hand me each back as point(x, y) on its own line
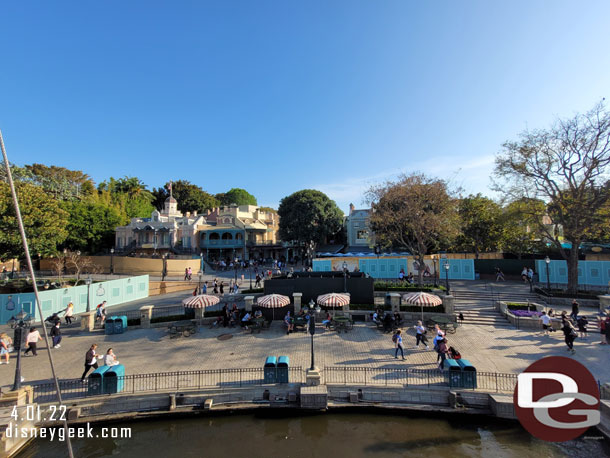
point(422, 299)
point(200, 302)
point(333, 300)
point(273, 301)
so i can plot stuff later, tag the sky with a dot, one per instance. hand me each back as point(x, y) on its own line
point(275, 96)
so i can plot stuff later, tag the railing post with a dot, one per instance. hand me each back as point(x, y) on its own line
point(156, 383)
point(496, 382)
point(345, 375)
point(240, 377)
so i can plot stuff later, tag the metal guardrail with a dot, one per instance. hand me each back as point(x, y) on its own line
point(232, 378)
point(486, 381)
point(166, 381)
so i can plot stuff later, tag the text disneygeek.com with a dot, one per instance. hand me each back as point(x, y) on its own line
point(73, 432)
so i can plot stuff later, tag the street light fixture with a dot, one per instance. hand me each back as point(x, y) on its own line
point(447, 275)
point(88, 281)
point(548, 278)
point(20, 326)
point(111, 261)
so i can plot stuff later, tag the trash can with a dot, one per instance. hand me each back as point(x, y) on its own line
point(113, 379)
point(109, 325)
point(120, 324)
point(454, 373)
point(469, 373)
point(283, 363)
point(96, 381)
point(270, 369)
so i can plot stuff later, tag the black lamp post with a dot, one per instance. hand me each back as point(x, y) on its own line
point(548, 278)
point(164, 271)
point(344, 277)
point(434, 263)
point(200, 279)
point(201, 262)
point(65, 257)
point(312, 331)
point(88, 282)
point(235, 268)
point(111, 261)
point(20, 326)
point(447, 275)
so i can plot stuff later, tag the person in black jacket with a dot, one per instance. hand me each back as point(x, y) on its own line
point(56, 334)
point(90, 361)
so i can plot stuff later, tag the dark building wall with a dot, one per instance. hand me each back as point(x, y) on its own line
point(360, 287)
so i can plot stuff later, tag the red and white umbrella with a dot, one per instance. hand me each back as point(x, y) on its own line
point(423, 300)
point(200, 302)
point(272, 301)
point(333, 300)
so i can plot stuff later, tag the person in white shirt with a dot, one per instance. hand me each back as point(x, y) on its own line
point(420, 335)
point(546, 323)
point(31, 340)
point(110, 358)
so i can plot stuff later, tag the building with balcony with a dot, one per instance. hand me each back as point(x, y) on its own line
point(164, 231)
point(242, 232)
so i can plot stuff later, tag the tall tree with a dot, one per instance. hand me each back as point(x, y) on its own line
point(566, 166)
point(130, 195)
point(236, 196)
point(416, 213)
point(520, 234)
point(309, 217)
point(62, 183)
point(480, 222)
point(190, 197)
point(44, 221)
point(91, 226)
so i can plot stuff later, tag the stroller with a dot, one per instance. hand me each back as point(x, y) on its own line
point(51, 320)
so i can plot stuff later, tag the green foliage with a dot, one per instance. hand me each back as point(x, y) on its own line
point(236, 196)
point(520, 306)
point(44, 221)
point(309, 216)
point(91, 225)
point(190, 197)
point(129, 195)
point(520, 234)
point(480, 221)
point(62, 183)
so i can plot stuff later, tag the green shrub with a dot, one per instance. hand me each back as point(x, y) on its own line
point(520, 306)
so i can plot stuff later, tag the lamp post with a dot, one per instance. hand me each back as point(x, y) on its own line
point(111, 261)
point(88, 282)
point(235, 268)
point(344, 277)
point(155, 242)
point(447, 275)
point(250, 275)
point(548, 278)
point(17, 343)
point(434, 263)
point(164, 271)
point(200, 280)
point(65, 255)
point(201, 262)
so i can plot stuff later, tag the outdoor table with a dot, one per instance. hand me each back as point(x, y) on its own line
point(342, 323)
point(182, 328)
point(300, 323)
point(258, 324)
point(446, 324)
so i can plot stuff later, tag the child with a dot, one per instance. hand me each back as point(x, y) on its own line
point(582, 326)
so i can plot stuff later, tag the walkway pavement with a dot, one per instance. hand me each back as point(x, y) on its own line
point(147, 351)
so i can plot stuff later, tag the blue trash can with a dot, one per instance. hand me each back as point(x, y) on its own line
point(283, 363)
point(96, 381)
point(109, 325)
point(120, 324)
point(270, 369)
point(454, 373)
point(469, 373)
point(113, 379)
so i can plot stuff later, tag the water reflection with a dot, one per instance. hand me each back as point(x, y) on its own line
point(279, 434)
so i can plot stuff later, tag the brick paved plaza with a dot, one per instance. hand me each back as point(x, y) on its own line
point(146, 351)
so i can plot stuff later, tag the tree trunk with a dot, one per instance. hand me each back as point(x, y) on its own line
point(476, 252)
point(422, 268)
point(573, 269)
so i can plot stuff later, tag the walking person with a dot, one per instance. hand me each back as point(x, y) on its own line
point(56, 335)
point(546, 323)
point(215, 286)
point(582, 323)
point(397, 339)
point(439, 336)
point(569, 334)
point(91, 358)
point(204, 288)
point(602, 329)
point(5, 343)
point(100, 313)
point(31, 340)
point(443, 349)
point(499, 275)
point(69, 312)
point(186, 273)
point(574, 314)
point(420, 335)
point(607, 330)
point(222, 288)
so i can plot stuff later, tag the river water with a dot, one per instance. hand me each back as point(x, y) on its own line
point(333, 435)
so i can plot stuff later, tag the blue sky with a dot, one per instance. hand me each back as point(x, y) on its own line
point(278, 96)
